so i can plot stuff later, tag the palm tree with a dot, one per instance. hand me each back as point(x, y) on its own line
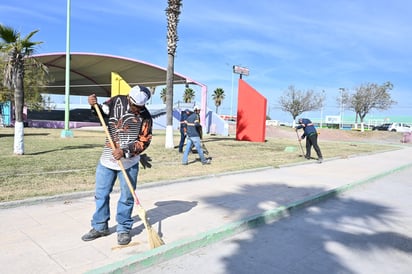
point(17, 50)
point(36, 79)
point(189, 95)
point(163, 95)
point(218, 96)
point(172, 13)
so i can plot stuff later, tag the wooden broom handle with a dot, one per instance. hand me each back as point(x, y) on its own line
point(106, 130)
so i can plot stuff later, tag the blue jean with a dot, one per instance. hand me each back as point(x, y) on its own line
point(182, 139)
point(196, 142)
point(105, 180)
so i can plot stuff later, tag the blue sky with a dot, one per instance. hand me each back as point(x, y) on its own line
point(318, 45)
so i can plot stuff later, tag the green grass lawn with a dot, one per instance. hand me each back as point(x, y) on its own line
point(53, 165)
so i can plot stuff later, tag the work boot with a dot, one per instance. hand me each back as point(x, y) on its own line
point(123, 238)
point(320, 160)
point(94, 234)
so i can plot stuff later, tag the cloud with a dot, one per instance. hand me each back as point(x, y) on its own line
point(310, 44)
point(8, 14)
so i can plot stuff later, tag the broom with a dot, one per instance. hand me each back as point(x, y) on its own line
point(300, 144)
point(154, 238)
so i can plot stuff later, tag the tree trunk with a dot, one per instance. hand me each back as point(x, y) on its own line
point(361, 118)
point(169, 102)
point(356, 120)
point(18, 111)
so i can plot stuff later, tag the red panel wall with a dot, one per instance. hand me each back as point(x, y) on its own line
point(251, 114)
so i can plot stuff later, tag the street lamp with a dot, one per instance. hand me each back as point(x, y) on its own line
point(321, 109)
point(241, 71)
point(67, 132)
point(231, 98)
point(341, 107)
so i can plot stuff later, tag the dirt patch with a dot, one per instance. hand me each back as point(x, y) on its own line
point(338, 135)
point(326, 134)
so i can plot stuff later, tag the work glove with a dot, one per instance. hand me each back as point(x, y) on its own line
point(145, 161)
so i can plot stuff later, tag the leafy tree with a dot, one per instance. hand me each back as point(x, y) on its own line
point(36, 77)
point(5, 93)
point(172, 13)
point(296, 101)
point(35, 80)
point(188, 95)
point(17, 49)
point(218, 96)
point(368, 97)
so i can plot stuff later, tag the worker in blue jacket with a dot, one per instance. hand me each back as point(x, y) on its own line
point(183, 128)
point(309, 131)
point(194, 135)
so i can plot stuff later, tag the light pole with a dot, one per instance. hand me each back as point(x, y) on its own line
point(241, 71)
point(231, 98)
point(341, 107)
point(321, 109)
point(67, 132)
point(321, 117)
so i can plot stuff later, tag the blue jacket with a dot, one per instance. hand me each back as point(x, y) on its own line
point(308, 127)
point(183, 117)
point(193, 125)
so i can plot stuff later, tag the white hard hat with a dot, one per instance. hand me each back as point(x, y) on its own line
point(196, 108)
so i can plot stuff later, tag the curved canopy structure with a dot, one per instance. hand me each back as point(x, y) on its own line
point(91, 73)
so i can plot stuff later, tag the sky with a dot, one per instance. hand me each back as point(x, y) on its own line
point(311, 45)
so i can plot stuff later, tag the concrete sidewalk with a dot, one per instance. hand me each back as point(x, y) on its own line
point(45, 237)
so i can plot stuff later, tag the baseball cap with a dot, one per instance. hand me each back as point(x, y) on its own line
point(139, 95)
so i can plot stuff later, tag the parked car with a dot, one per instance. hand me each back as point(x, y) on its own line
point(395, 127)
point(382, 127)
point(400, 127)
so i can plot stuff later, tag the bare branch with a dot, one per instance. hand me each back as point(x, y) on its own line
point(296, 101)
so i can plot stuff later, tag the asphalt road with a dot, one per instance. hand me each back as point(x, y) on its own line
point(365, 230)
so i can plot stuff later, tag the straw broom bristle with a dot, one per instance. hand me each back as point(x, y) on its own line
point(153, 237)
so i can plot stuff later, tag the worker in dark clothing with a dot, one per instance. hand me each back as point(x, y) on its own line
point(193, 137)
point(309, 131)
point(183, 128)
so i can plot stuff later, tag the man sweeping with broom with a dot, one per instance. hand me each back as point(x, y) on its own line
point(309, 131)
point(129, 133)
